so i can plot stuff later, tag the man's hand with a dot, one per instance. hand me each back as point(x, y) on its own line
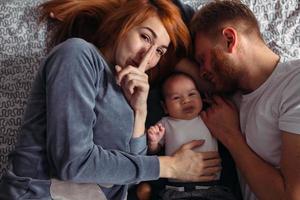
point(222, 119)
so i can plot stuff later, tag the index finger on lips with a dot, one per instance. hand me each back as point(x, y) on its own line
point(146, 59)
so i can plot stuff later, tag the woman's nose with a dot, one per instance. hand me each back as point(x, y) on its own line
point(144, 49)
point(153, 59)
point(142, 53)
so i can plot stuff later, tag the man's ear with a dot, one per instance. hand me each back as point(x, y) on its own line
point(230, 36)
point(164, 107)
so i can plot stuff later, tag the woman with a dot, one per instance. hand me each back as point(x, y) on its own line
point(85, 118)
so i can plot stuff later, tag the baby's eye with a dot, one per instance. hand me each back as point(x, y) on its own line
point(175, 98)
point(192, 94)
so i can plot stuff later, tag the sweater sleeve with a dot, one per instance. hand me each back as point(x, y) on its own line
point(138, 146)
point(71, 73)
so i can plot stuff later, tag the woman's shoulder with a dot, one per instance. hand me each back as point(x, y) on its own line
point(74, 55)
point(76, 41)
point(75, 45)
point(76, 49)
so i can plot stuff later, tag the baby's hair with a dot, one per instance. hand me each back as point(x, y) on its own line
point(172, 75)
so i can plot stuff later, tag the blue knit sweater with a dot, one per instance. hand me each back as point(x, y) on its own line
point(77, 126)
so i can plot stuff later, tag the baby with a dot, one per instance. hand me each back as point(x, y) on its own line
point(182, 103)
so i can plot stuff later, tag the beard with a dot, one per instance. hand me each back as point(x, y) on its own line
point(226, 73)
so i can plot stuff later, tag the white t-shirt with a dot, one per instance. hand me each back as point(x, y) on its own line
point(179, 132)
point(273, 107)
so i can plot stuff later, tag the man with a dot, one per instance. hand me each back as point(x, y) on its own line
point(264, 137)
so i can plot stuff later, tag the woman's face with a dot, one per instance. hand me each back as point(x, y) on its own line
point(133, 47)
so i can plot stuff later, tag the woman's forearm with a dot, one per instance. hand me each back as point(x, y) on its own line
point(165, 167)
point(139, 123)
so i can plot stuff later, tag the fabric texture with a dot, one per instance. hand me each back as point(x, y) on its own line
point(270, 109)
point(179, 132)
point(65, 190)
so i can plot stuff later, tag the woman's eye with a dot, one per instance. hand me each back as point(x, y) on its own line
point(160, 52)
point(146, 38)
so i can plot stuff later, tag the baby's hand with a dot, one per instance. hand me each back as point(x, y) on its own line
point(155, 133)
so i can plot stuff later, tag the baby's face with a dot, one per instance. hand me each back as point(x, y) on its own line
point(182, 99)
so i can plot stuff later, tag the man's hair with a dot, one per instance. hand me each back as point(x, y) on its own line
point(212, 17)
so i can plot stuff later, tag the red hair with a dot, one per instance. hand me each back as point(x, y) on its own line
point(104, 22)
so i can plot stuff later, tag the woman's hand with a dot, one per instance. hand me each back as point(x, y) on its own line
point(188, 165)
point(135, 86)
point(134, 82)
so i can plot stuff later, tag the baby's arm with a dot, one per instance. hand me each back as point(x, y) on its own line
point(155, 134)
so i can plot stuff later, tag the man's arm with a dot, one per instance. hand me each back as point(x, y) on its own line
point(266, 181)
point(290, 164)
